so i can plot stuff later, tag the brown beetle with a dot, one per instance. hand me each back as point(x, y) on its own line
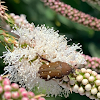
point(55, 70)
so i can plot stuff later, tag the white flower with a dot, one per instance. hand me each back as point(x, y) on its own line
point(23, 62)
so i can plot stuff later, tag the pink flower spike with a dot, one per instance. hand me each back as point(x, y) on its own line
point(6, 81)
point(31, 94)
point(24, 93)
point(25, 98)
point(15, 86)
point(7, 95)
point(1, 89)
point(15, 95)
point(7, 87)
point(91, 22)
point(41, 98)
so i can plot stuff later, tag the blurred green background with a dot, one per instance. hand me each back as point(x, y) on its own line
point(37, 13)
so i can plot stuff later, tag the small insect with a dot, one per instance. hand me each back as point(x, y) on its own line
point(55, 70)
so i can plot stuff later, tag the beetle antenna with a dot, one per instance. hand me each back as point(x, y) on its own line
point(43, 58)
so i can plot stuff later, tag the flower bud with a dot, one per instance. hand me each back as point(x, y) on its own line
point(72, 82)
point(79, 78)
point(24, 93)
point(22, 89)
point(83, 70)
point(15, 95)
point(81, 90)
point(41, 98)
point(7, 95)
point(25, 98)
point(7, 87)
point(92, 97)
point(33, 99)
point(87, 75)
point(99, 88)
point(89, 71)
point(75, 88)
point(91, 78)
point(94, 73)
point(14, 86)
point(96, 99)
point(84, 81)
point(87, 94)
point(97, 82)
point(31, 94)
point(98, 77)
point(94, 91)
point(98, 94)
point(6, 81)
point(88, 87)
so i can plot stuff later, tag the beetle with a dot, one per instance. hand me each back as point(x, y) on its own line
point(55, 70)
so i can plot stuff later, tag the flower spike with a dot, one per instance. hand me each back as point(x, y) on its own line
point(73, 14)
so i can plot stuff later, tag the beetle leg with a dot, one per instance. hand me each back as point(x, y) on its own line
point(68, 79)
point(68, 84)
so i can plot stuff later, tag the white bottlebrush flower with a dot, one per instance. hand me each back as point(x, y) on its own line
point(23, 62)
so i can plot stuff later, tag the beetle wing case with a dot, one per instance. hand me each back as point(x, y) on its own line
point(49, 71)
point(54, 70)
point(66, 68)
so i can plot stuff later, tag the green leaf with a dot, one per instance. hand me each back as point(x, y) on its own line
point(84, 28)
point(1, 38)
point(12, 47)
point(75, 25)
point(50, 14)
point(94, 50)
point(94, 5)
point(64, 20)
